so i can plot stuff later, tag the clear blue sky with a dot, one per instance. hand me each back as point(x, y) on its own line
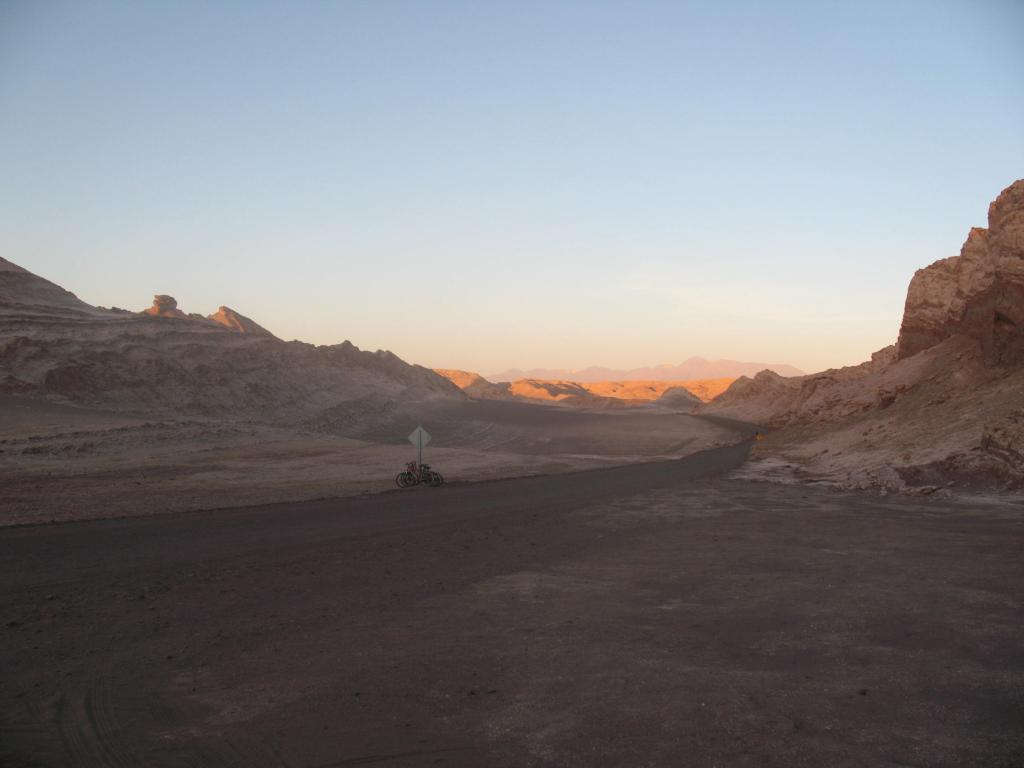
point(484, 185)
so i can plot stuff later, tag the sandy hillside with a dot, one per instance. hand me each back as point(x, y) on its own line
point(163, 361)
point(943, 407)
point(475, 385)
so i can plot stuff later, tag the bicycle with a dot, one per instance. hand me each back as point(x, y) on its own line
point(420, 474)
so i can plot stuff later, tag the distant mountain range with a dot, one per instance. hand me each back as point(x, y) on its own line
point(694, 368)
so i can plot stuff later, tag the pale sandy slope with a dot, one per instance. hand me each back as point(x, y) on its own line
point(60, 462)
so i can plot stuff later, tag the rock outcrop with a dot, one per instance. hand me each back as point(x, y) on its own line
point(224, 317)
point(979, 293)
point(942, 406)
point(164, 306)
point(235, 321)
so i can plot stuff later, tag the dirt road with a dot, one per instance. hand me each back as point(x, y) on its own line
point(60, 463)
point(656, 614)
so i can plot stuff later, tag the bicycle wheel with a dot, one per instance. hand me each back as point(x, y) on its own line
point(436, 480)
point(404, 479)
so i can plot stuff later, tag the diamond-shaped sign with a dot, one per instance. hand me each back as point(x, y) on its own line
point(419, 437)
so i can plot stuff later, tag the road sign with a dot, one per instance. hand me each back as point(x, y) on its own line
point(419, 437)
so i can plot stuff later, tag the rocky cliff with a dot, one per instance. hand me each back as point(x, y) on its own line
point(979, 293)
point(943, 405)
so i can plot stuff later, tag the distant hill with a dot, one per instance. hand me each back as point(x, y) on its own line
point(475, 385)
point(592, 394)
point(689, 370)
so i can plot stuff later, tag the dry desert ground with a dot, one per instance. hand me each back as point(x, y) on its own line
point(653, 614)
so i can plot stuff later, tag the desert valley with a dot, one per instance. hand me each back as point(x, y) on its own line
point(264, 468)
point(110, 412)
point(511, 385)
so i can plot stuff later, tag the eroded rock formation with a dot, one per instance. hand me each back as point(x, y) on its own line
point(941, 407)
point(164, 306)
point(979, 293)
point(236, 321)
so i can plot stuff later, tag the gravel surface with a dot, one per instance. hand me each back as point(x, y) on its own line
point(651, 615)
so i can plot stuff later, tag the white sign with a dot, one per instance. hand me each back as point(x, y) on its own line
point(420, 437)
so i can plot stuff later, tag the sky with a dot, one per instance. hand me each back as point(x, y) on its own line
point(485, 185)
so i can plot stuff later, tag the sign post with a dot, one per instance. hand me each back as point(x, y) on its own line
point(419, 437)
